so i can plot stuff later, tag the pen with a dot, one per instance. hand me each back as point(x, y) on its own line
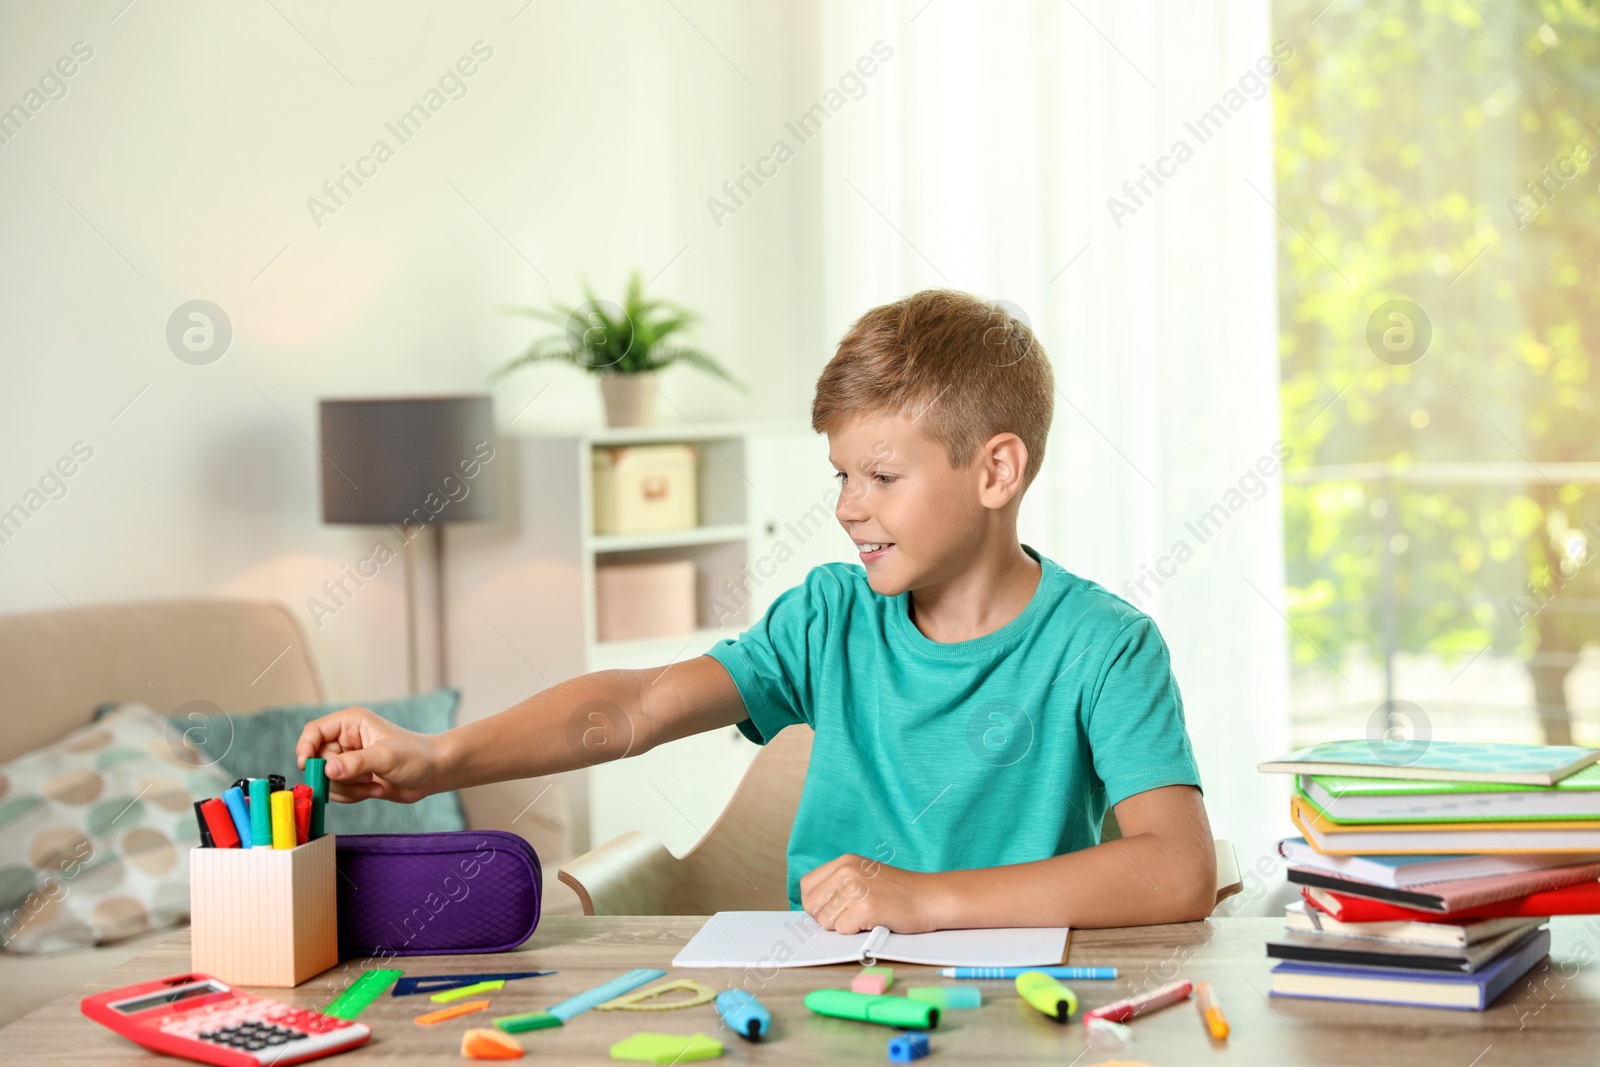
point(239, 812)
point(302, 813)
point(744, 1014)
point(282, 819)
point(223, 834)
point(1210, 1011)
point(205, 831)
point(260, 813)
point(1047, 995)
point(1123, 1010)
point(316, 776)
point(1090, 973)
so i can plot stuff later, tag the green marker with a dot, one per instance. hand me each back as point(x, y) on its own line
point(260, 813)
point(533, 1020)
point(316, 777)
point(867, 1008)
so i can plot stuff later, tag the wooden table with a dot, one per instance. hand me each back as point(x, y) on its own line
point(1555, 1022)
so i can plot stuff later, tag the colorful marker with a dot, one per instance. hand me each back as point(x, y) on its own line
point(233, 797)
point(744, 1014)
point(1210, 1011)
point(223, 835)
point(200, 820)
point(302, 813)
point(1073, 973)
point(282, 819)
point(316, 776)
point(1123, 1010)
point(260, 813)
point(864, 1007)
point(1047, 995)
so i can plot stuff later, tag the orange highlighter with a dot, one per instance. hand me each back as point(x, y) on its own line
point(1210, 1011)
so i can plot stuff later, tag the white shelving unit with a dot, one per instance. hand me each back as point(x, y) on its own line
point(526, 585)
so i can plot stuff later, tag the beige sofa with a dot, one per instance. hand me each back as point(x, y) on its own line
point(58, 666)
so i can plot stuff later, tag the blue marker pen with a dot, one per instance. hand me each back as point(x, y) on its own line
point(743, 1013)
point(233, 797)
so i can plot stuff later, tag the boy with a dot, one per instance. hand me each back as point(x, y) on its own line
point(976, 707)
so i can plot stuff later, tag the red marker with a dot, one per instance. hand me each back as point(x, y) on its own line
point(220, 823)
point(302, 814)
point(1123, 1010)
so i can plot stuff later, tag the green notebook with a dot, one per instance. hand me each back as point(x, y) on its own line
point(1460, 761)
point(1344, 799)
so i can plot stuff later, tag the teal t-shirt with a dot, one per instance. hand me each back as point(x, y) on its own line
point(932, 756)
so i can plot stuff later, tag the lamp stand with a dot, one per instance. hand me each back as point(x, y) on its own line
point(438, 601)
point(410, 551)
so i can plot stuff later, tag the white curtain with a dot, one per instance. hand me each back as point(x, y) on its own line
point(981, 156)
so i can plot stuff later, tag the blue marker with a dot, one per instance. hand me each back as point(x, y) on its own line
point(234, 799)
point(743, 1013)
point(1089, 973)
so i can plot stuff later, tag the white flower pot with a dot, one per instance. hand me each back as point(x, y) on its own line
point(630, 399)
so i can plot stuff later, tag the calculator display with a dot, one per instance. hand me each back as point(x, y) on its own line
point(170, 996)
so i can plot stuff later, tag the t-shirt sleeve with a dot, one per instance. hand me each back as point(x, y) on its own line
point(774, 664)
point(1136, 731)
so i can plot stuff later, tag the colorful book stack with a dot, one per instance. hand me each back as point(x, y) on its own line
point(1427, 876)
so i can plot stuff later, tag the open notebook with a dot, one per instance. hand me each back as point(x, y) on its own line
point(794, 939)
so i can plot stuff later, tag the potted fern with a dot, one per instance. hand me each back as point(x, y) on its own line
point(626, 346)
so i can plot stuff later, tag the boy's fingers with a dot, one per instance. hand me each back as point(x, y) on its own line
point(347, 766)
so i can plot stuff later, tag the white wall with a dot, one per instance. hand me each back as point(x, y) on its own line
point(178, 166)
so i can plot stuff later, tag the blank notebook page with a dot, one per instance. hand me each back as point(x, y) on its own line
point(794, 939)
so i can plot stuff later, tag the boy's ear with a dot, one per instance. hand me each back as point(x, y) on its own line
point(1001, 461)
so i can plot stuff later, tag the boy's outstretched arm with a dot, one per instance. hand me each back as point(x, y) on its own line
point(1163, 870)
point(591, 719)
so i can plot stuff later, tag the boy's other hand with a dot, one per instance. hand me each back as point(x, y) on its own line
point(851, 894)
point(369, 756)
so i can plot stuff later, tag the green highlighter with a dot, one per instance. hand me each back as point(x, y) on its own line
point(533, 1020)
point(1047, 995)
point(316, 776)
point(868, 1008)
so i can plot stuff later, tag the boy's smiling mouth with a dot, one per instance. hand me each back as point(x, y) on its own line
point(872, 551)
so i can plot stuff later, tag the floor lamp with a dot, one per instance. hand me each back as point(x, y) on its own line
point(409, 463)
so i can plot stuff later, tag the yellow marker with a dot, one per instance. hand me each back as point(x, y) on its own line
point(283, 819)
point(452, 1012)
point(1210, 1011)
point(1047, 995)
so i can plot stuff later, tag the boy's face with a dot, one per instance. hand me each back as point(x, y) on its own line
point(914, 518)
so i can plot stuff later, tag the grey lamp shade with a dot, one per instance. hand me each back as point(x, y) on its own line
point(418, 460)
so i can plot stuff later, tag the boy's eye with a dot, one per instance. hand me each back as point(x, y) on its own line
point(840, 475)
point(885, 479)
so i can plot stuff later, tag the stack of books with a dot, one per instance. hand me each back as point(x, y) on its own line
point(1428, 880)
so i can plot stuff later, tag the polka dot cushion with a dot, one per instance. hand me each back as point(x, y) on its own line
point(95, 832)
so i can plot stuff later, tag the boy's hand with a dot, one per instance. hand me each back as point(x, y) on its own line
point(851, 894)
point(369, 756)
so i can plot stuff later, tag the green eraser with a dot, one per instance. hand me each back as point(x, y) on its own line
point(947, 996)
point(666, 1048)
point(533, 1020)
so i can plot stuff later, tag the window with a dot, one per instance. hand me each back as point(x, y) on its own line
point(1439, 299)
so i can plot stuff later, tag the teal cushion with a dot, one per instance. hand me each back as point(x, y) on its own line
point(252, 746)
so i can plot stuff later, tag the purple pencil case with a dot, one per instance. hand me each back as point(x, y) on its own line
point(433, 894)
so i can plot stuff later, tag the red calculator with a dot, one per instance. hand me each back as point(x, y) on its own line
point(199, 1018)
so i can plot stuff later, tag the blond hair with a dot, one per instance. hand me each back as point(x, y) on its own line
point(962, 368)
